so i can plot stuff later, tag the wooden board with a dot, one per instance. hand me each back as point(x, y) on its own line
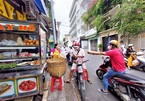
point(46, 85)
point(45, 93)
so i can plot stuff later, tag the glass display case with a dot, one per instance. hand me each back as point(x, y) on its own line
point(22, 59)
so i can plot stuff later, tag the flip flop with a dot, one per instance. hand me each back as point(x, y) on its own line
point(101, 91)
point(89, 81)
point(66, 81)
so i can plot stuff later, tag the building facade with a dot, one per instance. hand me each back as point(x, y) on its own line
point(72, 16)
point(77, 26)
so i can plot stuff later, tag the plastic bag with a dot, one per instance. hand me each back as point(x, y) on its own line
point(19, 41)
point(135, 62)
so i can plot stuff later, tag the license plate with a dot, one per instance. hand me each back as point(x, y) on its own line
point(80, 69)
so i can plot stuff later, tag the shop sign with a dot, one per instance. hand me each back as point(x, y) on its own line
point(51, 38)
point(17, 27)
point(18, 5)
point(7, 10)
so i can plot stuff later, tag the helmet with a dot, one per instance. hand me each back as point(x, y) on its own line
point(76, 44)
point(114, 42)
point(130, 45)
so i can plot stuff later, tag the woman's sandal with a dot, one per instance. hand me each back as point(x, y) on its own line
point(89, 81)
point(66, 81)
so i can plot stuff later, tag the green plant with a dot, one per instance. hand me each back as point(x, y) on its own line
point(98, 8)
point(130, 18)
point(94, 15)
point(100, 46)
point(89, 14)
point(85, 18)
point(98, 23)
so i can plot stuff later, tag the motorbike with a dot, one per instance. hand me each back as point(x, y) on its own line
point(141, 60)
point(127, 86)
point(81, 77)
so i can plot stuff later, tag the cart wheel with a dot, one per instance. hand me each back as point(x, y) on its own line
point(37, 98)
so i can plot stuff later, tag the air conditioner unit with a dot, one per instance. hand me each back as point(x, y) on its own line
point(31, 9)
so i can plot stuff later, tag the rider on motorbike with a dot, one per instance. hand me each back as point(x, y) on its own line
point(117, 61)
point(130, 55)
point(77, 53)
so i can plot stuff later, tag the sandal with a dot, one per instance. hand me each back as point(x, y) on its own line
point(102, 91)
point(89, 81)
point(66, 81)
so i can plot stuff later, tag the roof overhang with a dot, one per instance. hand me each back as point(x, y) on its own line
point(40, 6)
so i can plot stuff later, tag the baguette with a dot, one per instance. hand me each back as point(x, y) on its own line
point(6, 89)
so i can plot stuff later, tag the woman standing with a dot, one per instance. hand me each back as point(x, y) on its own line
point(55, 52)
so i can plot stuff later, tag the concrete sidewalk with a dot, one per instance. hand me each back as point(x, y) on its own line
point(68, 93)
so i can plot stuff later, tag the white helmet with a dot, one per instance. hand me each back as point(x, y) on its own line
point(130, 45)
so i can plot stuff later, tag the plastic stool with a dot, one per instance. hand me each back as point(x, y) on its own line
point(53, 82)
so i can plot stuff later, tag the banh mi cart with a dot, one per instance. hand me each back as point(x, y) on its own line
point(22, 59)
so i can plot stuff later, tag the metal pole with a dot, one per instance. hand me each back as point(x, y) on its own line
point(53, 23)
point(58, 24)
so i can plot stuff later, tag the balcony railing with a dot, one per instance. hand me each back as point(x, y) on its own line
point(112, 12)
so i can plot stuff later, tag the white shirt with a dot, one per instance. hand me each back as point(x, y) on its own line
point(81, 52)
point(67, 49)
point(123, 48)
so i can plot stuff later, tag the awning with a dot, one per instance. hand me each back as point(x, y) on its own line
point(40, 6)
point(91, 36)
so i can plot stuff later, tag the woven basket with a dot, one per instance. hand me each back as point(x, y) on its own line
point(56, 67)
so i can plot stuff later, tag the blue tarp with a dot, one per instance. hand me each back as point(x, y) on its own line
point(40, 6)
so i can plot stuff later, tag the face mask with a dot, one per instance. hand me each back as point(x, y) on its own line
point(76, 47)
point(109, 47)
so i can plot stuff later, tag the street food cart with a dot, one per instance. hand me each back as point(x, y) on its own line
point(22, 59)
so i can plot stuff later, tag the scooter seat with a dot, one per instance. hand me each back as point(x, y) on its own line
point(141, 59)
point(130, 77)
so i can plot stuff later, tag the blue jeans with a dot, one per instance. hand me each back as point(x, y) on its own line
point(108, 75)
